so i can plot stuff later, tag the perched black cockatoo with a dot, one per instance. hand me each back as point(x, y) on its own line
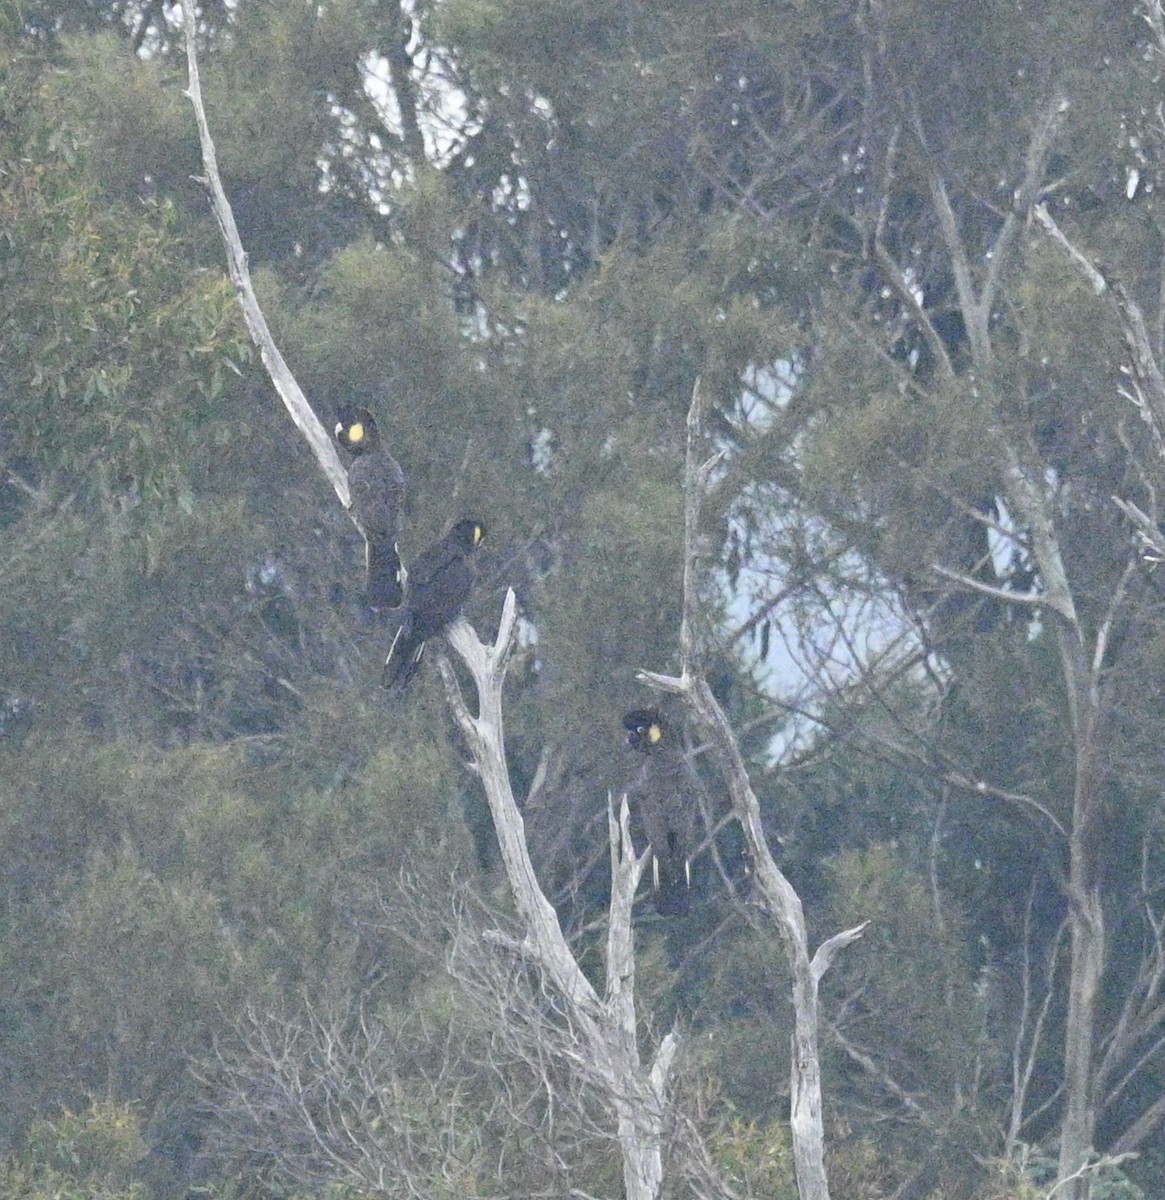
point(377, 487)
point(663, 796)
point(440, 582)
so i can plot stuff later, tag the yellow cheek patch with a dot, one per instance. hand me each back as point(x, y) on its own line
point(654, 733)
point(478, 534)
point(356, 432)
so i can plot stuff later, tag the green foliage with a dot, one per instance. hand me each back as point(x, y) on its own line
point(130, 124)
point(757, 1160)
point(860, 1169)
point(745, 1020)
point(1032, 1174)
point(923, 1031)
point(913, 958)
point(208, 802)
point(635, 530)
point(181, 882)
point(95, 1154)
point(111, 335)
point(139, 976)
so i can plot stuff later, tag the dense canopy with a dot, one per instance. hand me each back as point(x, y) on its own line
point(912, 252)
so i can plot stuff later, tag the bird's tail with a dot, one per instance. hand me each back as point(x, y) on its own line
point(404, 657)
point(672, 877)
point(385, 574)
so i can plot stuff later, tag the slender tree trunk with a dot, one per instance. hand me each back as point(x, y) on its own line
point(400, 65)
point(642, 1155)
point(1032, 502)
point(1085, 921)
point(785, 908)
point(1076, 1134)
point(805, 1116)
point(606, 1026)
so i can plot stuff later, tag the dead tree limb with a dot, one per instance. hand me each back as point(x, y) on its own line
point(289, 391)
point(606, 1027)
point(783, 902)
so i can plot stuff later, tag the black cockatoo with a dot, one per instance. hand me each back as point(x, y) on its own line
point(440, 582)
point(377, 487)
point(663, 795)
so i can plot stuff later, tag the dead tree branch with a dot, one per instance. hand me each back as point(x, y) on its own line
point(289, 391)
point(603, 1030)
point(783, 902)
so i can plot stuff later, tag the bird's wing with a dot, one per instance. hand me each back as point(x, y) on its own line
point(666, 804)
point(377, 488)
point(383, 571)
point(666, 809)
point(683, 810)
point(440, 582)
point(438, 587)
point(643, 795)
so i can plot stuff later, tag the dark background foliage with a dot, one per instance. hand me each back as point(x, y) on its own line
point(521, 251)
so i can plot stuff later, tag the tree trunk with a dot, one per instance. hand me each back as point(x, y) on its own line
point(642, 1156)
point(1086, 922)
point(805, 1118)
point(605, 1027)
point(785, 908)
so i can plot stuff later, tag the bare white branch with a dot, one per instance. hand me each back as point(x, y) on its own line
point(599, 1037)
point(832, 946)
point(289, 391)
point(1035, 599)
point(780, 896)
point(1047, 223)
point(485, 734)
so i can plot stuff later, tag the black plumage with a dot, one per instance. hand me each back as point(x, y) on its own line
point(440, 582)
point(377, 488)
point(663, 796)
